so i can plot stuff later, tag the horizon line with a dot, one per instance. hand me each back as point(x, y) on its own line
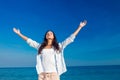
point(66, 66)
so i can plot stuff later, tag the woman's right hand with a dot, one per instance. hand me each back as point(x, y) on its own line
point(17, 31)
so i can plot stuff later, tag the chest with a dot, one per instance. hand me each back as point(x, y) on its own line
point(48, 52)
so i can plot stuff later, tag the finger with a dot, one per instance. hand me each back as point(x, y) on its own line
point(80, 23)
point(85, 21)
point(19, 30)
point(13, 29)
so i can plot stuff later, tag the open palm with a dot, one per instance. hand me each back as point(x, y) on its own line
point(82, 24)
point(17, 31)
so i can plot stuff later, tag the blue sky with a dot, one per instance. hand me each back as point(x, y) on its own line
point(98, 43)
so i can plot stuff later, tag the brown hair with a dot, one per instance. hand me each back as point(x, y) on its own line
point(44, 43)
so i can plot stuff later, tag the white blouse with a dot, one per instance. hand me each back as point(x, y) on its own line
point(43, 60)
point(48, 60)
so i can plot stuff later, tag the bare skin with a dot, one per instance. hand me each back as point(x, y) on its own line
point(49, 35)
point(17, 31)
point(81, 25)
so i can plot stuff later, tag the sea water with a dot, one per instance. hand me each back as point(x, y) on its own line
point(73, 73)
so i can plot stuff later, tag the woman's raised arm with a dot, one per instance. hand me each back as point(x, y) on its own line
point(82, 24)
point(17, 31)
point(31, 42)
point(72, 37)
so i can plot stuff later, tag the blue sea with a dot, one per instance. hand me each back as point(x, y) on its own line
point(73, 73)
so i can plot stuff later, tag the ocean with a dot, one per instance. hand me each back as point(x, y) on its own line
point(73, 73)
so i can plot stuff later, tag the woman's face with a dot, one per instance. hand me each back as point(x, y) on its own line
point(49, 35)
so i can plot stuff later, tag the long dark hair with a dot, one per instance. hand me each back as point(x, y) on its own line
point(54, 43)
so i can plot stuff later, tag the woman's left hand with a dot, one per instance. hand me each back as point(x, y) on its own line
point(82, 24)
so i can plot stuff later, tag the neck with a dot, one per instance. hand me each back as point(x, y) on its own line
point(49, 43)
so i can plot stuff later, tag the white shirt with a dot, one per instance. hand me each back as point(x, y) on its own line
point(59, 56)
point(48, 60)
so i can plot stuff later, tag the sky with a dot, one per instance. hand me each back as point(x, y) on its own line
point(98, 43)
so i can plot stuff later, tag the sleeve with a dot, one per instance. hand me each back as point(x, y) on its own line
point(67, 41)
point(39, 67)
point(33, 43)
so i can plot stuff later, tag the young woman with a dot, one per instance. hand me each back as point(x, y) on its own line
point(50, 60)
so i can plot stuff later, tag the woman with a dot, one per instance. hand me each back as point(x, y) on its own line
point(50, 61)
